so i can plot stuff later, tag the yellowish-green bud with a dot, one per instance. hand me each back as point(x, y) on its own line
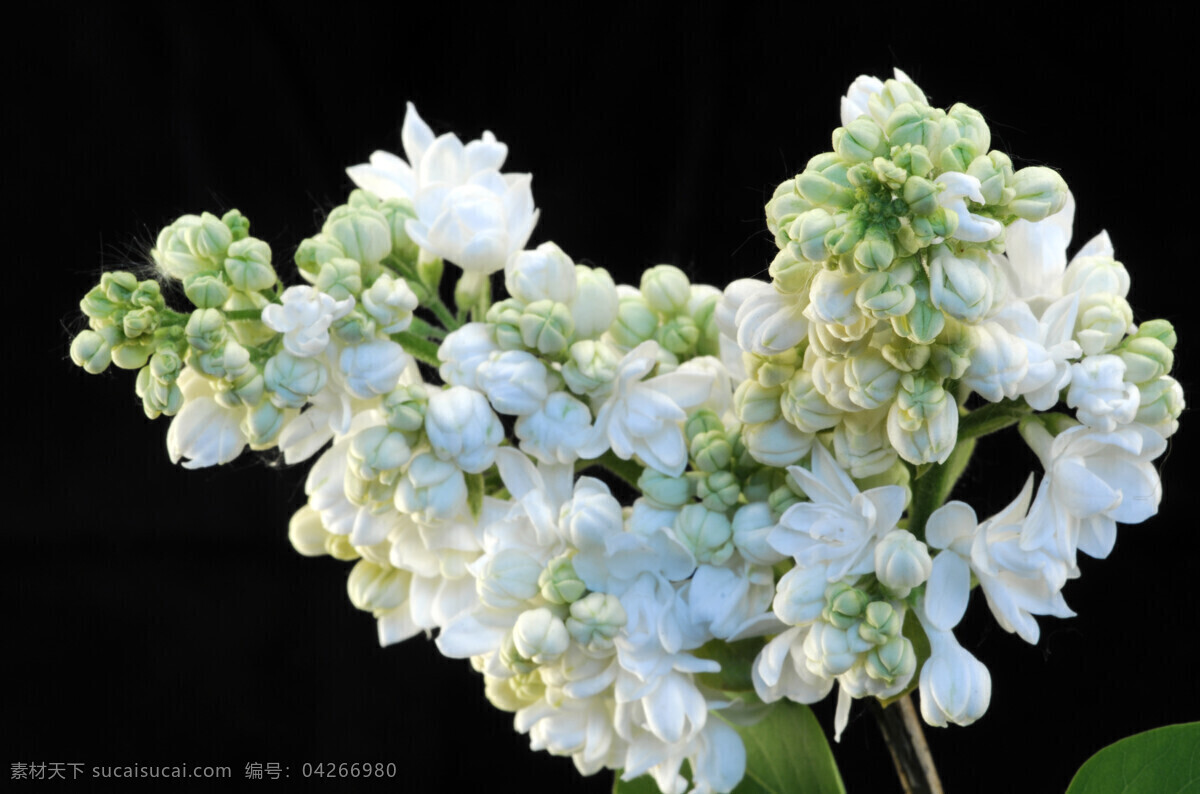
point(893, 661)
point(205, 329)
point(362, 233)
point(719, 491)
point(505, 315)
point(340, 548)
point(844, 605)
point(595, 620)
point(755, 404)
point(316, 251)
point(1161, 330)
point(875, 251)
point(1161, 403)
point(664, 491)
point(206, 290)
point(239, 224)
point(921, 195)
point(378, 449)
point(340, 278)
point(547, 326)
point(397, 212)
point(706, 533)
point(710, 451)
point(133, 354)
point(376, 588)
point(889, 173)
point(405, 407)
point(1102, 322)
point(792, 274)
point(912, 123)
point(192, 244)
point(558, 582)
point(783, 208)
point(702, 421)
point(1146, 359)
point(913, 159)
point(860, 141)
point(306, 532)
point(1038, 192)
point(248, 265)
point(994, 171)
point(591, 365)
point(678, 335)
point(139, 322)
point(636, 322)
point(881, 623)
point(824, 182)
point(93, 351)
point(666, 289)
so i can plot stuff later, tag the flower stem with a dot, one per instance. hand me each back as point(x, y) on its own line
point(901, 729)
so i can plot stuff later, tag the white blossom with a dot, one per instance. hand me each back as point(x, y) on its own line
point(1100, 395)
point(304, 318)
point(462, 428)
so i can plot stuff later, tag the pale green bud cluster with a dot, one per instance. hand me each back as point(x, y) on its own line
point(672, 311)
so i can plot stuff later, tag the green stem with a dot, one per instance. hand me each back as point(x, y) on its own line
point(443, 314)
point(422, 328)
point(244, 314)
point(931, 488)
point(990, 418)
point(419, 347)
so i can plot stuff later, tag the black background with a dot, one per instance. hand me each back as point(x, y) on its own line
point(160, 616)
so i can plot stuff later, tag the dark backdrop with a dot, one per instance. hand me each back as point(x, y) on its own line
point(160, 615)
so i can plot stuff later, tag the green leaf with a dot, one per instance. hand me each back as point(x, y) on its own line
point(787, 752)
point(1161, 761)
point(418, 347)
point(930, 491)
point(639, 785)
point(736, 658)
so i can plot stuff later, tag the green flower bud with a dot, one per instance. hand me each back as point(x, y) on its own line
point(316, 251)
point(595, 619)
point(206, 290)
point(860, 141)
point(889, 173)
point(96, 305)
point(895, 92)
point(906, 355)
point(306, 532)
point(591, 366)
point(547, 326)
point(376, 588)
point(702, 421)
point(559, 584)
point(166, 365)
point(844, 605)
point(147, 295)
point(1161, 330)
point(875, 251)
point(951, 353)
point(405, 407)
point(887, 295)
point(397, 212)
point(355, 327)
point(514, 693)
point(791, 273)
point(804, 407)
point(362, 233)
point(378, 449)
point(1038, 192)
point(158, 397)
point(921, 195)
point(248, 265)
point(362, 199)
point(291, 381)
point(842, 240)
point(1102, 322)
point(1161, 403)
point(881, 623)
point(755, 404)
point(924, 321)
point(913, 124)
point(505, 315)
point(781, 499)
point(783, 208)
point(757, 487)
point(138, 322)
point(93, 351)
point(239, 224)
point(262, 423)
point(706, 533)
point(666, 289)
point(994, 171)
point(663, 491)
point(719, 491)
point(340, 278)
point(913, 159)
point(205, 329)
point(133, 354)
point(710, 451)
point(1146, 359)
point(776, 370)
point(636, 322)
point(678, 335)
point(824, 182)
point(192, 244)
point(893, 661)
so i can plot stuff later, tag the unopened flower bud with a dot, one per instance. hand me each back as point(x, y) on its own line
point(511, 658)
point(1038, 192)
point(462, 427)
point(1103, 320)
point(664, 491)
point(595, 620)
point(315, 252)
point(666, 289)
point(636, 322)
point(239, 224)
point(138, 322)
point(292, 381)
point(390, 302)
point(206, 290)
point(1160, 404)
point(752, 525)
point(262, 423)
point(881, 623)
point(902, 562)
point(540, 636)
point(378, 449)
point(860, 141)
point(543, 274)
point(362, 233)
point(248, 265)
point(678, 335)
point(960, 284)
point(340, 278)
point(800, 595)
point(376, 588)
point(92, 351)
point(558, 582)
point(546, 326)
point(831, 651)
point(710, 451)
point(844, 605)
point(719, 491)
point(405, 407)
point(192, 244)
point(808, 231)
point(754, 404)
point(893, 661)
point(398, 212)
point(706, 533)
point(306, 532)
point(509, 579)
point(994, 171)
point(596, 302)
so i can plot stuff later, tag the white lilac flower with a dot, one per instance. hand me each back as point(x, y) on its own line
point(462, 428)
point(955, 686)
point(390, 302)
point(557, 430)
point(839, 526)
point(304, 318)
point(372, 368)
point(515, 382)
point(767, 321)
point(956, 188)
point(462, 351)
point(642, 417)
point(1093, 480)
point(1100, 395)
point(1017, 583)
point(204, 431)
point(429, 160)
point(901, 561)
point(432, 490)
point(546, 273)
